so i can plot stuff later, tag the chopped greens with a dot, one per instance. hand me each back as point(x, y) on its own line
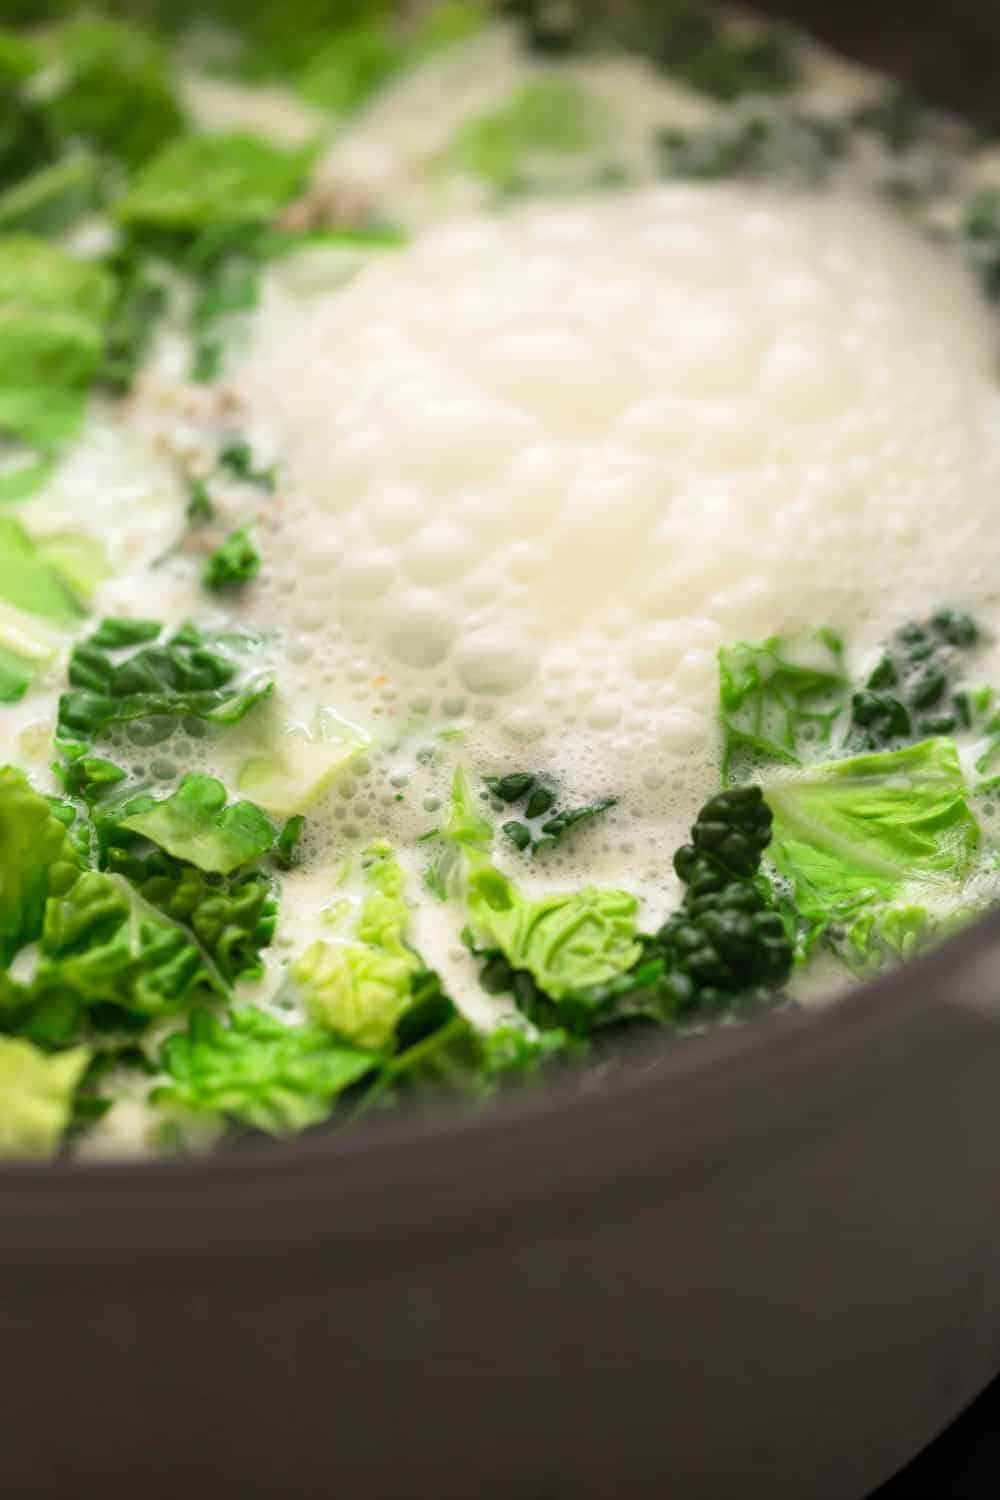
point(545, 825)
point(138, 906)
point(547, 117)
point(217, 182)
point(36, 1096)
point(910, 693)
point(116, 91)
point(856, 837)
point(131, 670)
point(233, 564)
point(779, 699)
point(197, 825)
point(53, 314)
point(257, 1071)
point(360, 989)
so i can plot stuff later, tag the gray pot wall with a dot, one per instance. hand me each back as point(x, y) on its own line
point(766, 1263)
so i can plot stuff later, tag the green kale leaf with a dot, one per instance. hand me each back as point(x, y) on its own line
point(115, 89)
point(129, 670)
point(911, 692)
point(233, 564)
point(542, 826)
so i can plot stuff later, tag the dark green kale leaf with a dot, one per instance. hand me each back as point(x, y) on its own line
point(541, 830)
point(129, 671)
point(141, 301)
point(726, 947)
point(115, 89)
point(233, 564)
point(27, 141)
point(798, 145)
point(200, 507)
point(981, 232)
point(690, 42)
point(727, 944)
point(910, 695)
point(237, 456)
point(286, 850)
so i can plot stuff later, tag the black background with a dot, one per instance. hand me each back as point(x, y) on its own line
point(964, 1463)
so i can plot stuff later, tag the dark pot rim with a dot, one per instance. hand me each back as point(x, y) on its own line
point(687, 1110)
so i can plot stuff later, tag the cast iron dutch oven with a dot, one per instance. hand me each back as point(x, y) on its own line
point(764, 1263)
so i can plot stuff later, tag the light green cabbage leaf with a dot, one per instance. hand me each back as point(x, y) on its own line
point(36, 1096)
point(873, 845)
point(360, 989)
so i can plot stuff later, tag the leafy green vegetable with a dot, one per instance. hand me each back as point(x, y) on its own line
point(295, 763)
point(27, 142)
point(691, 43)
point(115, 90)
point(27, 581)
point(566, 941)
point(196, 824)
point(360, 990)
point(539, 801)
point(779, 700)
point(48, 200)
point(35, 605)
point(860, 835)
point(799, 146)
point(237, 456)
point(15, 677)
point(981, 231)
point(37, 860)
point(725, 947)
point(791, 701)
point(286, 850)
point(223, 181)
point(546, 117)
point(102, 947)
point(233, 564)
point(140, 301)
point(200, 506)
point(146, 939)
point(189, 674)
point(232, 920)
point(727, 939)
point(53, 310)
point(911, 693)
point(36, 1096)
point(351, 65)
point(258, 1071)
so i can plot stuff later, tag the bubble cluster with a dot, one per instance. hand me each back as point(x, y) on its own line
point(540, 466)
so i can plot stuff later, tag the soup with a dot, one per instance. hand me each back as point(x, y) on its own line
point(487, 564)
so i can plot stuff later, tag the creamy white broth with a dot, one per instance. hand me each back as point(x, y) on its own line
point(534, 466)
